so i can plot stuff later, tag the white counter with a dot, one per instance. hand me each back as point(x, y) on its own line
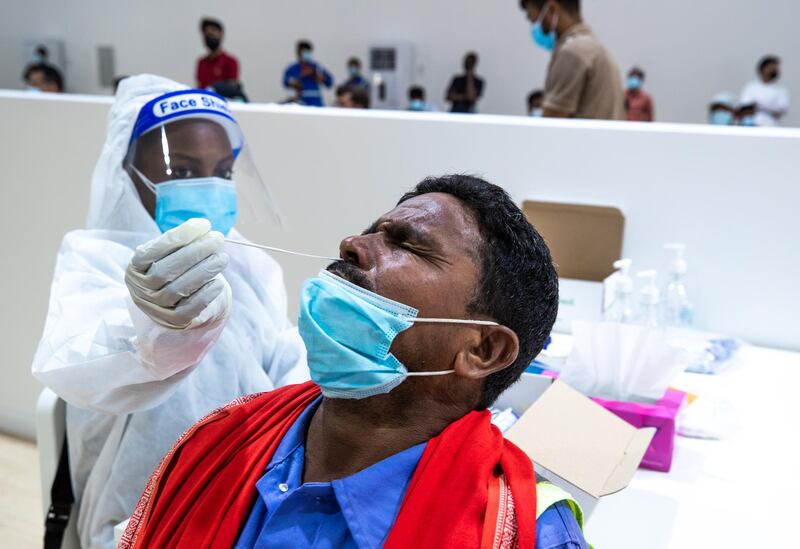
point(737, 492)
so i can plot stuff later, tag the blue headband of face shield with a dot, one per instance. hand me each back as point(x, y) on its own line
point(348, 332)
point(180, 104)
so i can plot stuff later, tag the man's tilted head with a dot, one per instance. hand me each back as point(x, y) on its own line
point(457, 247)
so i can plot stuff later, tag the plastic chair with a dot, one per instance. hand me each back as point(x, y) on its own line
point(51, 423)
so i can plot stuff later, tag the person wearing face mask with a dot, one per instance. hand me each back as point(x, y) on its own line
point(153, 320)
point(638, 103)
point(722, 110)
point(305, 77)
point(43, 77)
point(746, 115)
point(771, 100)
point(535, 102)
point(354, 77)
point(428, 317)
point(583, 80)
point(416, 100)
point(218, 67)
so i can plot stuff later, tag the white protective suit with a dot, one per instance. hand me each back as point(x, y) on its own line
point(133, 386)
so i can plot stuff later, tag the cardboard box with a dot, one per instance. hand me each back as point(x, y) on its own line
point(574, 442)
point(584, 240)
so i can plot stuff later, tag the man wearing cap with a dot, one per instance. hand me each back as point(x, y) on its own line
point(151, 325)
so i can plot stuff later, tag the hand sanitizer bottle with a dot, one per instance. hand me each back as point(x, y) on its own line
point(621, 309)
point(677, 310)
point(649, 299)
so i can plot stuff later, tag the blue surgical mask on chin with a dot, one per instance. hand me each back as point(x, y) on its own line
point(348, 332)
point(545, 40)
point(178, 201)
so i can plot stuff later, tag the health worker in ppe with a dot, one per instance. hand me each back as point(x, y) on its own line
point(148, 332)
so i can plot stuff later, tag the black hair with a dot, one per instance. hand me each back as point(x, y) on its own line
point(354, 61)
point(358, 94)
point(768, 60)
point(416, 92)
point(518, 285)
point(638, 71)
point(304, 45)
point(49, 73)
point(213, 23)
point(471, 56)
point(534, 95)
point(572, 6)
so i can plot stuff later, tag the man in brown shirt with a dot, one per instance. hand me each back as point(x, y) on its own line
point(583, 80)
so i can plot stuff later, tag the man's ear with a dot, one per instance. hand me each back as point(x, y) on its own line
point(492, 349)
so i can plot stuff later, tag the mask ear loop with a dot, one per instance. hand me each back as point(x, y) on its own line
point(454, 321)
point(147, 183)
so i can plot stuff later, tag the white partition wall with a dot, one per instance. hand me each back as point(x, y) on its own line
point(730, 194)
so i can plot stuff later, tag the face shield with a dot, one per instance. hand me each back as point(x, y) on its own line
point(188, 158)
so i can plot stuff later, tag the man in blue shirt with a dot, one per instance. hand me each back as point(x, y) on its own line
point(306, 75)
point(358, 510)
point(432, 313)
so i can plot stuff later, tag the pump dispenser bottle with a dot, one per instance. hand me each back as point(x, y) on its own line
point(677, 310)
point(622, 308)
point(649, 299)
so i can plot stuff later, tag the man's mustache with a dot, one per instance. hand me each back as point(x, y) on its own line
point(351, 273)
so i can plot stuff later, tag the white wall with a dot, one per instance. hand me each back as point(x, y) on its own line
point(730, 194)
point(691, 49)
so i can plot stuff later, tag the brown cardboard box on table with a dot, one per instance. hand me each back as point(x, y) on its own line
point(573, 442)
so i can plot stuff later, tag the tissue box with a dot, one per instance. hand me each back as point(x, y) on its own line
point(660, 415)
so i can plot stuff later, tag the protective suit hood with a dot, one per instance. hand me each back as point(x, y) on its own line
point(114, 203)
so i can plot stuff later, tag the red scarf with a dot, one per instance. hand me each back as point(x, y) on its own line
point(471, 488)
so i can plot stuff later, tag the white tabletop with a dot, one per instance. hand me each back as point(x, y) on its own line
point(741, 491)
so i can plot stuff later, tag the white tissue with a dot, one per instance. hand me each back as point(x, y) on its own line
point(621, 361)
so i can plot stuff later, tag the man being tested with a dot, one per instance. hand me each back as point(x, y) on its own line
point(583, 80)
point(144, 334)
point(430, 315)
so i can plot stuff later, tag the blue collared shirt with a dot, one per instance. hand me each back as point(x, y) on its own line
point(354, 512)
point(310, 94)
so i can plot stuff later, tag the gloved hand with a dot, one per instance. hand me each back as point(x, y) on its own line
point(174, 278)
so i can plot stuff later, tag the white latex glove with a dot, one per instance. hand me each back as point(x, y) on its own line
point(176, 278)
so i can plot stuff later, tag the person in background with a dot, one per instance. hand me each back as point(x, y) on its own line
point(638, 103)
point(306, 75)
point(746, 114)
point(535, 103)
point(355, 78)
point(352, 97)
point(583, 80)
point(465, 90)
point(722, 110)
point(771, 100)
point(218, 66)
point(43, 77)
point(416, 100)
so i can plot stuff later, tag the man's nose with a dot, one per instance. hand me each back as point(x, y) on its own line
point(359, 250)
